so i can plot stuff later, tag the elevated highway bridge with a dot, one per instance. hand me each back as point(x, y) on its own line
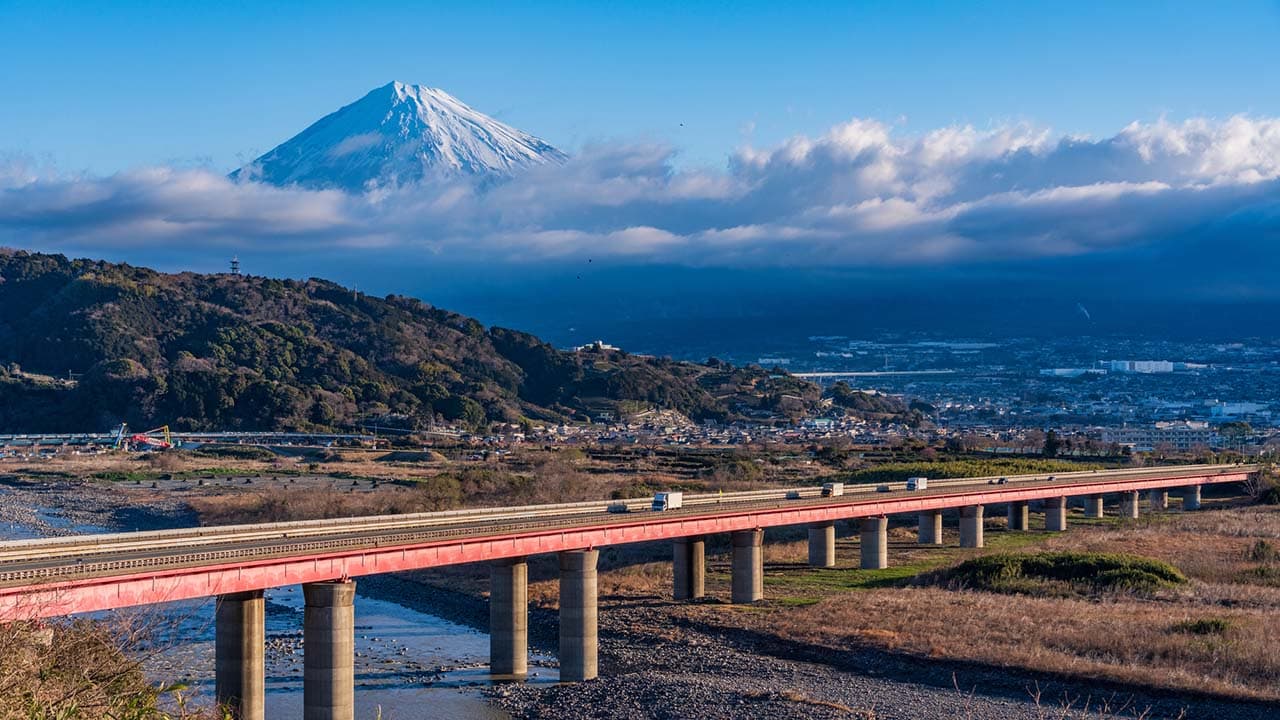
point(39, 441)
point(51, 577)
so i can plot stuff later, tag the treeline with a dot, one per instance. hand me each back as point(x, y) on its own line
point(897, 472)
point(239, 352)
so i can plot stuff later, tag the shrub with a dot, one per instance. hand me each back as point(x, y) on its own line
point(1060, 573)
point(636, 489)
point(121, 476)
point(1263, 551)
point(1129, 578)
point(1203, 626)
point(1265, 574)
point(1270, 496)
point(897, 472)
point(238, 452)
point(442, 492)
point(735, 471)
point(80, 669)
point(1264, 488)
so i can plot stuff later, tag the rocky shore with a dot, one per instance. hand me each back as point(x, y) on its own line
point(26, 505)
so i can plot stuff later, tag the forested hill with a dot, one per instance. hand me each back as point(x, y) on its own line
point(86, 344)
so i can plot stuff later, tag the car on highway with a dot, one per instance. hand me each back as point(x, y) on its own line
point(883, 488)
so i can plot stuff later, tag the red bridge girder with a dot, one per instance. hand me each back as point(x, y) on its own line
point(167, 584)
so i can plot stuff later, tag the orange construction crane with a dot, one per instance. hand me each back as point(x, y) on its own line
point(156, 443)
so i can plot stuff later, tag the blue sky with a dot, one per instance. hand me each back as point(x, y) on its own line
point(1072, 150)
point(118, 85)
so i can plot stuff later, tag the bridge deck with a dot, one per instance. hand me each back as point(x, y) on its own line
point(48, 578)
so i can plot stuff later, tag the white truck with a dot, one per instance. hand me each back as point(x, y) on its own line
point(832, 489)
point(917, 483)
point(668, 501)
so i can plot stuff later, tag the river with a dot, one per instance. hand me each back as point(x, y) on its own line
point(406, 660)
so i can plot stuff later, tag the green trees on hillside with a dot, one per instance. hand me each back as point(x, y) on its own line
point(241, 352)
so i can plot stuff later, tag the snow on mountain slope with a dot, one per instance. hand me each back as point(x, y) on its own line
point(399, 134)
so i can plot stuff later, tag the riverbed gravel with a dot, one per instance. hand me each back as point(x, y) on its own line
point(43, 507)
point(656, 663)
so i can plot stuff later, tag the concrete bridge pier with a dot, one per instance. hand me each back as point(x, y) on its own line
point(748, 566)
point(1129, 504)
point(578, 618)
point(930, 527)
point(1055, 514)
point(1018, 516)
point(971, 526)
point(238, 651)
point(328, 642)
point(689, 567)
point(1191, 497)
point(1158, 499)
point(509, 618)
point(822, 544)
point(874, 539)
point(1093, 506)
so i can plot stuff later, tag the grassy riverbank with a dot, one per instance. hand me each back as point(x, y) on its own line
point(1181, 602)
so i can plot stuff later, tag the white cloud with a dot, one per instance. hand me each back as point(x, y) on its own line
point(859, 195)
point(355, 143)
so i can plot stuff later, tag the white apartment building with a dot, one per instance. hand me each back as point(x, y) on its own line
point(1177, 434)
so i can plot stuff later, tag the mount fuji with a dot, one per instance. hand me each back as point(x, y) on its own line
point(399, 134)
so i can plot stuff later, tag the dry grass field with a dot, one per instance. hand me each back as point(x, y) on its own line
point(1213, 634)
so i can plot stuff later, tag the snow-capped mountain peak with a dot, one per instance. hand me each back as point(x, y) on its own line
point(399, 134)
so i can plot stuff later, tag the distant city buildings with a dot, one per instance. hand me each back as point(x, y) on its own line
point(1147, 366)
point(1143, 367)
point(1234, 410)
point(1175, 434)
point(1072, 372)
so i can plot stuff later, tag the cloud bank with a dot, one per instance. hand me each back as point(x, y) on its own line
point(861, 195)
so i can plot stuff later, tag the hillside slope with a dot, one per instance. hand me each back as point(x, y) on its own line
point(239, 352)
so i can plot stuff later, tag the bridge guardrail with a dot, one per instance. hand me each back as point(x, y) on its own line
point(115, 542)
point(363, 542)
